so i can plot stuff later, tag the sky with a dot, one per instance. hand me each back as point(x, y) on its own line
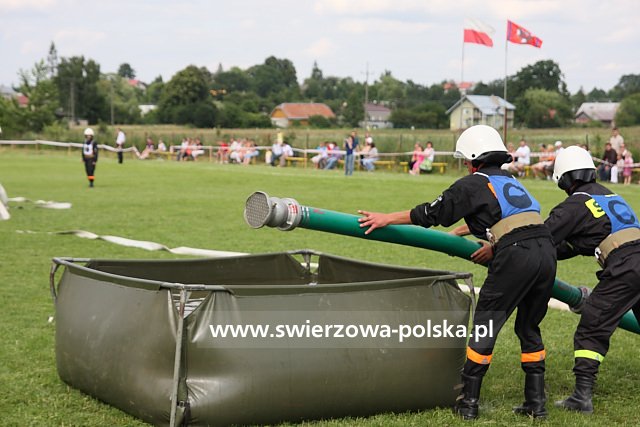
point(595, 42)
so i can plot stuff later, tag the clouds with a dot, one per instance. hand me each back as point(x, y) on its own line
point(363, 26)
point(14, 5)
point(320, 49)
point(592, 41)
point(503, 9)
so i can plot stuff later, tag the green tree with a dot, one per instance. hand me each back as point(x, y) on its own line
point(415, 94)
point(154, 91)
point(124, 98)
point(388, 89)
point(597, 95)
point(274, 76)
point(319, 122)
point(125, 71)
point(628, 113)
point(42, 94)
point(313, 86)
point(353, 112)
point(494, 87)
point(182, 95)
point(627, 85)
point(52, 61)
point(204, 115)
point(430, 115)
point(231, 116)
point(233, 81)
point(77, 83)
point(545, 75)
point(578, 98)
point(544, 109)
point(541, 75)
point(12, 118)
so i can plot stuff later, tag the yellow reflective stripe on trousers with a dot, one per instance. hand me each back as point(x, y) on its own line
point(588, 354)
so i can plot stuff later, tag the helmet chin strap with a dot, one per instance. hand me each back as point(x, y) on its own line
point(476, 168)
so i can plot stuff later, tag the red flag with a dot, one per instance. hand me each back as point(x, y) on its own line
point(518, 35)
point(478, 32)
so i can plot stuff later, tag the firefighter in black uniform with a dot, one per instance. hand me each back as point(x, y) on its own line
point(89, 155)
point(595, 221)
point(521, 260)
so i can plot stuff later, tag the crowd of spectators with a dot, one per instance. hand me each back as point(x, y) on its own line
point(616, 163)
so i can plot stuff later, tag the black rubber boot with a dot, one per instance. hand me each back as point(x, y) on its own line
point(467, 402)
point(580, 400)
point(534, 397)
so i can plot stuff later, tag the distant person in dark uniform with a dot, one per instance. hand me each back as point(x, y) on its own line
point(89, 155)
point(594, 221)
point(520, 256)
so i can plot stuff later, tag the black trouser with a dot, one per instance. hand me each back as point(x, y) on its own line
point(617, 292)
point(90, 167)
point(521, 275)
point(120, 155)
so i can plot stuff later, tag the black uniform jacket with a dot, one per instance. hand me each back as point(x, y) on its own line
point(469, 198)
point(93, 150)
point(575, 230)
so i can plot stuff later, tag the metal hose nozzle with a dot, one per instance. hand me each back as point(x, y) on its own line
point(261, 210)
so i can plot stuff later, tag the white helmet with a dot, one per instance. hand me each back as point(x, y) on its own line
point(88, 132)
point(573, 159)
point(478, 140)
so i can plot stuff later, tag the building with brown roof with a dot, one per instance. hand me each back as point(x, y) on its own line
point(603, 112)
point(285, 114)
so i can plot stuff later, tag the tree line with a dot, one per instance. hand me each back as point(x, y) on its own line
point(64, 89)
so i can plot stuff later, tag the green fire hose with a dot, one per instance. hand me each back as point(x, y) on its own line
point(287, 214)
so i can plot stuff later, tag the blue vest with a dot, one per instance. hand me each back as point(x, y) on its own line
point(512, 196)
point(615, 208)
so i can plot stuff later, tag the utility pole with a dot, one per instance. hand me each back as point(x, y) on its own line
point(366, 98)
point(72, 100)
point(111, 81)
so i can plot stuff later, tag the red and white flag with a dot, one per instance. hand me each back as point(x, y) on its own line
point(518, 35)
point(478, 32)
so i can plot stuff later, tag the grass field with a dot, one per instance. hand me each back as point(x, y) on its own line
point(200, 205)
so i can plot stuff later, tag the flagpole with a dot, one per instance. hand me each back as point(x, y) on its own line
point(459, 87)
point(504, 130)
